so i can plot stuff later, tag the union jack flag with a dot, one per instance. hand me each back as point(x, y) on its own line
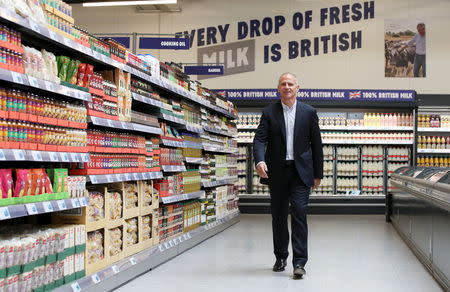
point(355, 94)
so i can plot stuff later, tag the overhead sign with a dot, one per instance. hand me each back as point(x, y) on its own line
point(203, 70)
point(322, 94)
point(164, 43)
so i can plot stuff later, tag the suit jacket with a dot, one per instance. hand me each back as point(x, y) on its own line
point(269, 144)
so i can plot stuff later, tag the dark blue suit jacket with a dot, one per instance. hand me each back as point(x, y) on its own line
point(269, 144)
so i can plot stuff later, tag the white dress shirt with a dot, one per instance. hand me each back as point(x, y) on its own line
point(419, 41)
point(289, 121)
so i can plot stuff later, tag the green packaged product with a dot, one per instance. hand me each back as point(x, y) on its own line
point(72, 71)
point(62, 67)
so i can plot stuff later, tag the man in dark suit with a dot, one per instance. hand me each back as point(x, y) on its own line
point(288, 154)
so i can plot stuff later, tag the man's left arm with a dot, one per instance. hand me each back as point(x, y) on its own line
point(316, 148)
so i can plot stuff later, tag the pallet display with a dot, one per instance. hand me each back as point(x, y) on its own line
point(361, 146)
point(127, 112)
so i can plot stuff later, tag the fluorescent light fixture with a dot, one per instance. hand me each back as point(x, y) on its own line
point(123, 3)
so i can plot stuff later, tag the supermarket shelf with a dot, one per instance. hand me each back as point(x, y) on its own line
point(125, 125)
point(173, 168)
point(173, 119)
point(224, 165)
point(44, 156)
point(218, 149)
point(193, 160)
point(363, 128)
point(22, 210)
point(194, 128)
point(182, 197)
point(247, 127)
point(42, 32)
point(147, 100)
point(219, 131)
point(244, 141)
point(219, 182)
point(437, 130)
point(111, 178)
point(368, 142)
point(438, 151)
point(45, 85)
point(173, 143)
point(113, 276)
point(194, 145)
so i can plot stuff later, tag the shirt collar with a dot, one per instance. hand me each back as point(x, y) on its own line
point(286, 108)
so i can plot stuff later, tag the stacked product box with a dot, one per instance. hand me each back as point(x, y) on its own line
point(120, 220)
point(170, 221)
point(41, 258)
point(191, 215)
point(208, 207)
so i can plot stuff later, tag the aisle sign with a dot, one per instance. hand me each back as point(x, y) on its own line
point(203, 70)
point(164, 43)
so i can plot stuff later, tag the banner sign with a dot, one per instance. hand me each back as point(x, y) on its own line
point(203, 70)
point(322, 94)
point(123, 40)
point(164, 43)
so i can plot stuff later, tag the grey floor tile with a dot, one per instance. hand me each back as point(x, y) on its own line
point(350, 253)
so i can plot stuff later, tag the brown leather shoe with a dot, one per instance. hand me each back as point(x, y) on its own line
point(299, 272)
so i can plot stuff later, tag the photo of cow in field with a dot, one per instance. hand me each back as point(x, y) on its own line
point(400, 52)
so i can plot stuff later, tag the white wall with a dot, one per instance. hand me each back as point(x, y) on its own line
point(360, 68)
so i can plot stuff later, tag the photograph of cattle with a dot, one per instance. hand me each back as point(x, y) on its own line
point(404, 48)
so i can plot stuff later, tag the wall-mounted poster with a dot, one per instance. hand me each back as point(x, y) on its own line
point(404, 48)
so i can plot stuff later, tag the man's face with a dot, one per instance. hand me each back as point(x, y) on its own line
point(421, 30)
point(287, 87)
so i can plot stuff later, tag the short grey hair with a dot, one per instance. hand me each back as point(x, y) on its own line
point(289, 73)
point(421, 25)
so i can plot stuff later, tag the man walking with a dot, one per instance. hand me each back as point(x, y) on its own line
point(419, 41)
point(288, 154)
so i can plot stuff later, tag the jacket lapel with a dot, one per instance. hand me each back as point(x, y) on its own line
point(280, 117)
point(298, 116)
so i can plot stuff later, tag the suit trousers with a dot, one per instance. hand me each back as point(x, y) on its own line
point(290, 189)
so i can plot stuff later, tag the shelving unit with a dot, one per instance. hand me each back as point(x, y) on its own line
point(361, 198)
point(112, 178)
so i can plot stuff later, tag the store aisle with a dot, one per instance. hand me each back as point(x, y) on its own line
point(347, 253)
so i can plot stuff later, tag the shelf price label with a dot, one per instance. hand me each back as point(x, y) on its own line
point(49, 86)
point(34, 26)
point(2, 155)
point(61, 205)
point(74, 157)
point(75, 287)
point(115, 269)
point(48, 207)
point(82, 201)
point(4, 213)
point(133, 261)
point(52, 35)
point(161, 248)
point(17, 77)
point(95, 278)
point(31, 209)
point(67, 42)
point(53, 156)
point(128, 176)
point(166, 245)
point(109, 178)
point(33, 81)
point(64, 157)
point(75, 203)
point(37, 156)
point(93, 179)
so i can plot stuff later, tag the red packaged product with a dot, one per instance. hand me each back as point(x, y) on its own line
point(81, 74)
point(88, 75)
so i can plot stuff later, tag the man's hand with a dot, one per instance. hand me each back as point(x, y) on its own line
point(316, 183)
point(261, 169)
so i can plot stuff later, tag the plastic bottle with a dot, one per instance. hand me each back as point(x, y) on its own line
point(447, 144)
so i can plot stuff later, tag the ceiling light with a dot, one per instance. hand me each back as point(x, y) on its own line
point(123, 3)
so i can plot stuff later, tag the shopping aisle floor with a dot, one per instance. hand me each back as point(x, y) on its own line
point(347, 253)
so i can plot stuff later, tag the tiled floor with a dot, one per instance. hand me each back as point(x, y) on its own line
point(346, 253)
